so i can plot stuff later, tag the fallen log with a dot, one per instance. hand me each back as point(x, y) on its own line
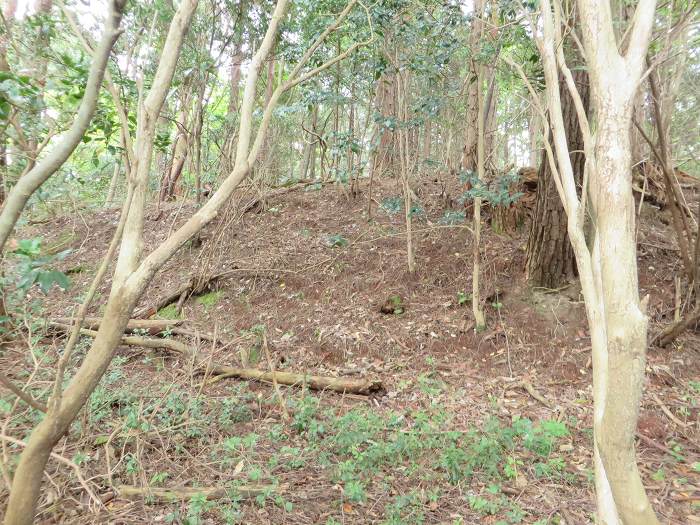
point(335, 384)
point(150, 326)
point(168, 494)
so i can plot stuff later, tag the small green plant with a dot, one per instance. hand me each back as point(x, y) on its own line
point(482, 505)
point(131, 464)
point(659, 475)
point(464, 298)
point(337, 241)
point(391, 205)
point(197, 506)
point(395, 304)
point(451, 217)
point(305, 417)
point(33, 268)
point(355, 491)
point(159, 478)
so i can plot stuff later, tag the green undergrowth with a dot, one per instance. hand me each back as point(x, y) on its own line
point(368, 452)
point(416, 455)
point(404, 465)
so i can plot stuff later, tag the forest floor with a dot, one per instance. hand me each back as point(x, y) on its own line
point(490, 427)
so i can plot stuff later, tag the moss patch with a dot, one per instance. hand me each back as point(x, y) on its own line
point(169, 312)
point(210, 299)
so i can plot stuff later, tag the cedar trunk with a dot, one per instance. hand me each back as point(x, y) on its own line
point(550, 258)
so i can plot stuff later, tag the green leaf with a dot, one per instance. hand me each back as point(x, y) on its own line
point(47, 279)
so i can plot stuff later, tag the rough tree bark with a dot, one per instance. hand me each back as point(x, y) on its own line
point(550, 258)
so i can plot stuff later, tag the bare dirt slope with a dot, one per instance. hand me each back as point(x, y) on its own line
point(479, 427)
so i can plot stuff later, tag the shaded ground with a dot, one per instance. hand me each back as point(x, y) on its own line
point(456, 436)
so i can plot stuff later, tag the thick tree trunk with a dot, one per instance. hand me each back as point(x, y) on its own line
point(550, 257)
point(625, 318)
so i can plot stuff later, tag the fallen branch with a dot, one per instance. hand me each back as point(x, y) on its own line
point(198, 285)
point(151, 326)
point(672, 331)
point(259, 204)
point(185, 493)
point(336, 384)
point(668, 412)
point(661, 447)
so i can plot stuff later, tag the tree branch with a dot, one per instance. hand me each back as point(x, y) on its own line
point(31, 181)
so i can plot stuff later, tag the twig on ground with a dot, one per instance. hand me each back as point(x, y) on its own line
point(276, 386)
point(668, 412)
point(65, 461)
point(185, 493)
point(527, 386)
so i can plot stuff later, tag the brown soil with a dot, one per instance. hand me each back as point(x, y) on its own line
point(321, 306)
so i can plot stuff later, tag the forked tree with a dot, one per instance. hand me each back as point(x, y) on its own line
point(133, 271)
point(608, 269)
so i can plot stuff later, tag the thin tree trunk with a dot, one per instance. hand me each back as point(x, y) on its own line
point(474, 155)
point(27, 481)
point(674, 195)
point(113, 183)
point(477, 310)
point(609, 279)
point(402, 105)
